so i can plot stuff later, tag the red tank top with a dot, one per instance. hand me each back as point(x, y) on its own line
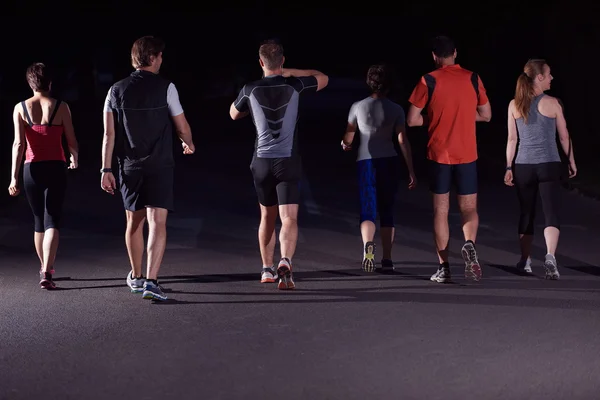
point(44, 142)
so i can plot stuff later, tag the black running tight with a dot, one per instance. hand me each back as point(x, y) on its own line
point(531, 179)
point(45, 184)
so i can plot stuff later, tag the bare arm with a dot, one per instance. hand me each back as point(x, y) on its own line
point(183, 129)
point(511, 143)
point(108, 143)
point(406, 149)
point(18, 144)
point(235, 114)
point(414, 117)
point(484, 113)
point(322, 79)
point(349, 135)
point(563, 132)
point(70, 133)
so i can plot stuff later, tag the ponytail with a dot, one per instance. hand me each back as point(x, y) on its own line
point(524, 95)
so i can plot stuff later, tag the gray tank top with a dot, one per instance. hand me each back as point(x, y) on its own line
point(537, 137)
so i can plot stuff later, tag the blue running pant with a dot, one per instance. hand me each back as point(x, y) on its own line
point(378, 180)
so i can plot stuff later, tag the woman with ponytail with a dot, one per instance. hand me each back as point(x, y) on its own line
point(533, 120)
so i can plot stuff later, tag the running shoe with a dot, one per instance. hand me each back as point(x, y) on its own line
point(153, 291)
point(46, 281)
point(286, 279)
point(368, 263)
point(135, 284)
point(387, 265)
point(268, 275)
point(551, 268)
point(524, 266)
point(472, 267)
point(442, 275)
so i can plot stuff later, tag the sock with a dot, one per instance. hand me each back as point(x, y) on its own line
point(155, 281)
point(445, 265)
point(268, 266)
point(470, 241)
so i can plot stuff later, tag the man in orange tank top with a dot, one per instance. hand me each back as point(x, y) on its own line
point(454, 99)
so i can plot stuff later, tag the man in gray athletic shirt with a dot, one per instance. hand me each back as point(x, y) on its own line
point(276, 167)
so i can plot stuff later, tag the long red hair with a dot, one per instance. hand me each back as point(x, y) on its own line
point(524, 91)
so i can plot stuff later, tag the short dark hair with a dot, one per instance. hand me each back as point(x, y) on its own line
point(144, 48)
point(443, 47)
point(38, 77)
point(271, 54)
point(379, 78)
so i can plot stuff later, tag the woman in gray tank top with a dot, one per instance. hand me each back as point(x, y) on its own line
point(378, 121)
point(533, 120)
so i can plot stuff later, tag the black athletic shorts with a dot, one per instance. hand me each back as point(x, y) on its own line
point(277, 180)
point(142, 188)
point(463, 176)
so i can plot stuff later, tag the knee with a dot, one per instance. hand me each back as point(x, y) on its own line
point(440, 212)
point(552, 221)
point(157, 217)
point(386, 217)
point(386, 220)
point(526, 225)
point(367, 216)
point(39, 226)
point(289, 220)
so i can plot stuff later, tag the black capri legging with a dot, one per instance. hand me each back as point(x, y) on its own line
point(529, 180)
point(45, 184)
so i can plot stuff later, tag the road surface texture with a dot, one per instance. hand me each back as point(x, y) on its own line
point(342, 334)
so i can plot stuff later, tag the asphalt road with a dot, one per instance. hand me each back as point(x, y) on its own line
point(343, 334)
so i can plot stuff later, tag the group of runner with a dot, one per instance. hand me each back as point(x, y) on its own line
point(141, 111)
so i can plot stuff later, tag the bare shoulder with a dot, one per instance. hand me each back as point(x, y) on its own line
point(550, 106)
point(550, 100)
point(64, 107)
point(512, 110)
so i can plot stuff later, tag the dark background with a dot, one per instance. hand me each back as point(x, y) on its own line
point(210, 55)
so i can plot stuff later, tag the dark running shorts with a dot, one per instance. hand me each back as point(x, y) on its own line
point(443, 176)
point(277, 180)
point(142, 188)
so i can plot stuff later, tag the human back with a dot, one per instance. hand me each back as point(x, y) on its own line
point(43, 130)
point(451, 110)
point(377, 120)
point(274, 104)
point(537, 135)
point(144, 134)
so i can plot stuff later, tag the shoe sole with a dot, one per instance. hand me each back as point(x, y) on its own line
point(472, 268)
point(47, 285)
point(153, 296)
point(368, 264)
point(286, 281)
point(549, 274)
point(267, 280)
point(441, 280)
point(136, 290)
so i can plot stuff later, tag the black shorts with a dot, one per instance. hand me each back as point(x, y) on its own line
point(463, 176)
point(277, 180)
point(147, 188)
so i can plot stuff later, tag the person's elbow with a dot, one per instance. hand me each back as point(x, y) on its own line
point(414, 120)
point(322, 81)
point(18, 146)
point(485, 113)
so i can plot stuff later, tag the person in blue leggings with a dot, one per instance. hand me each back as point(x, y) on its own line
point(378, 121)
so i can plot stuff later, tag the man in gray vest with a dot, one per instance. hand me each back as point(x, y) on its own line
point(139, 114)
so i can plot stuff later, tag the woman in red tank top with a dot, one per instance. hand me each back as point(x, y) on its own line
point(40, 123)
